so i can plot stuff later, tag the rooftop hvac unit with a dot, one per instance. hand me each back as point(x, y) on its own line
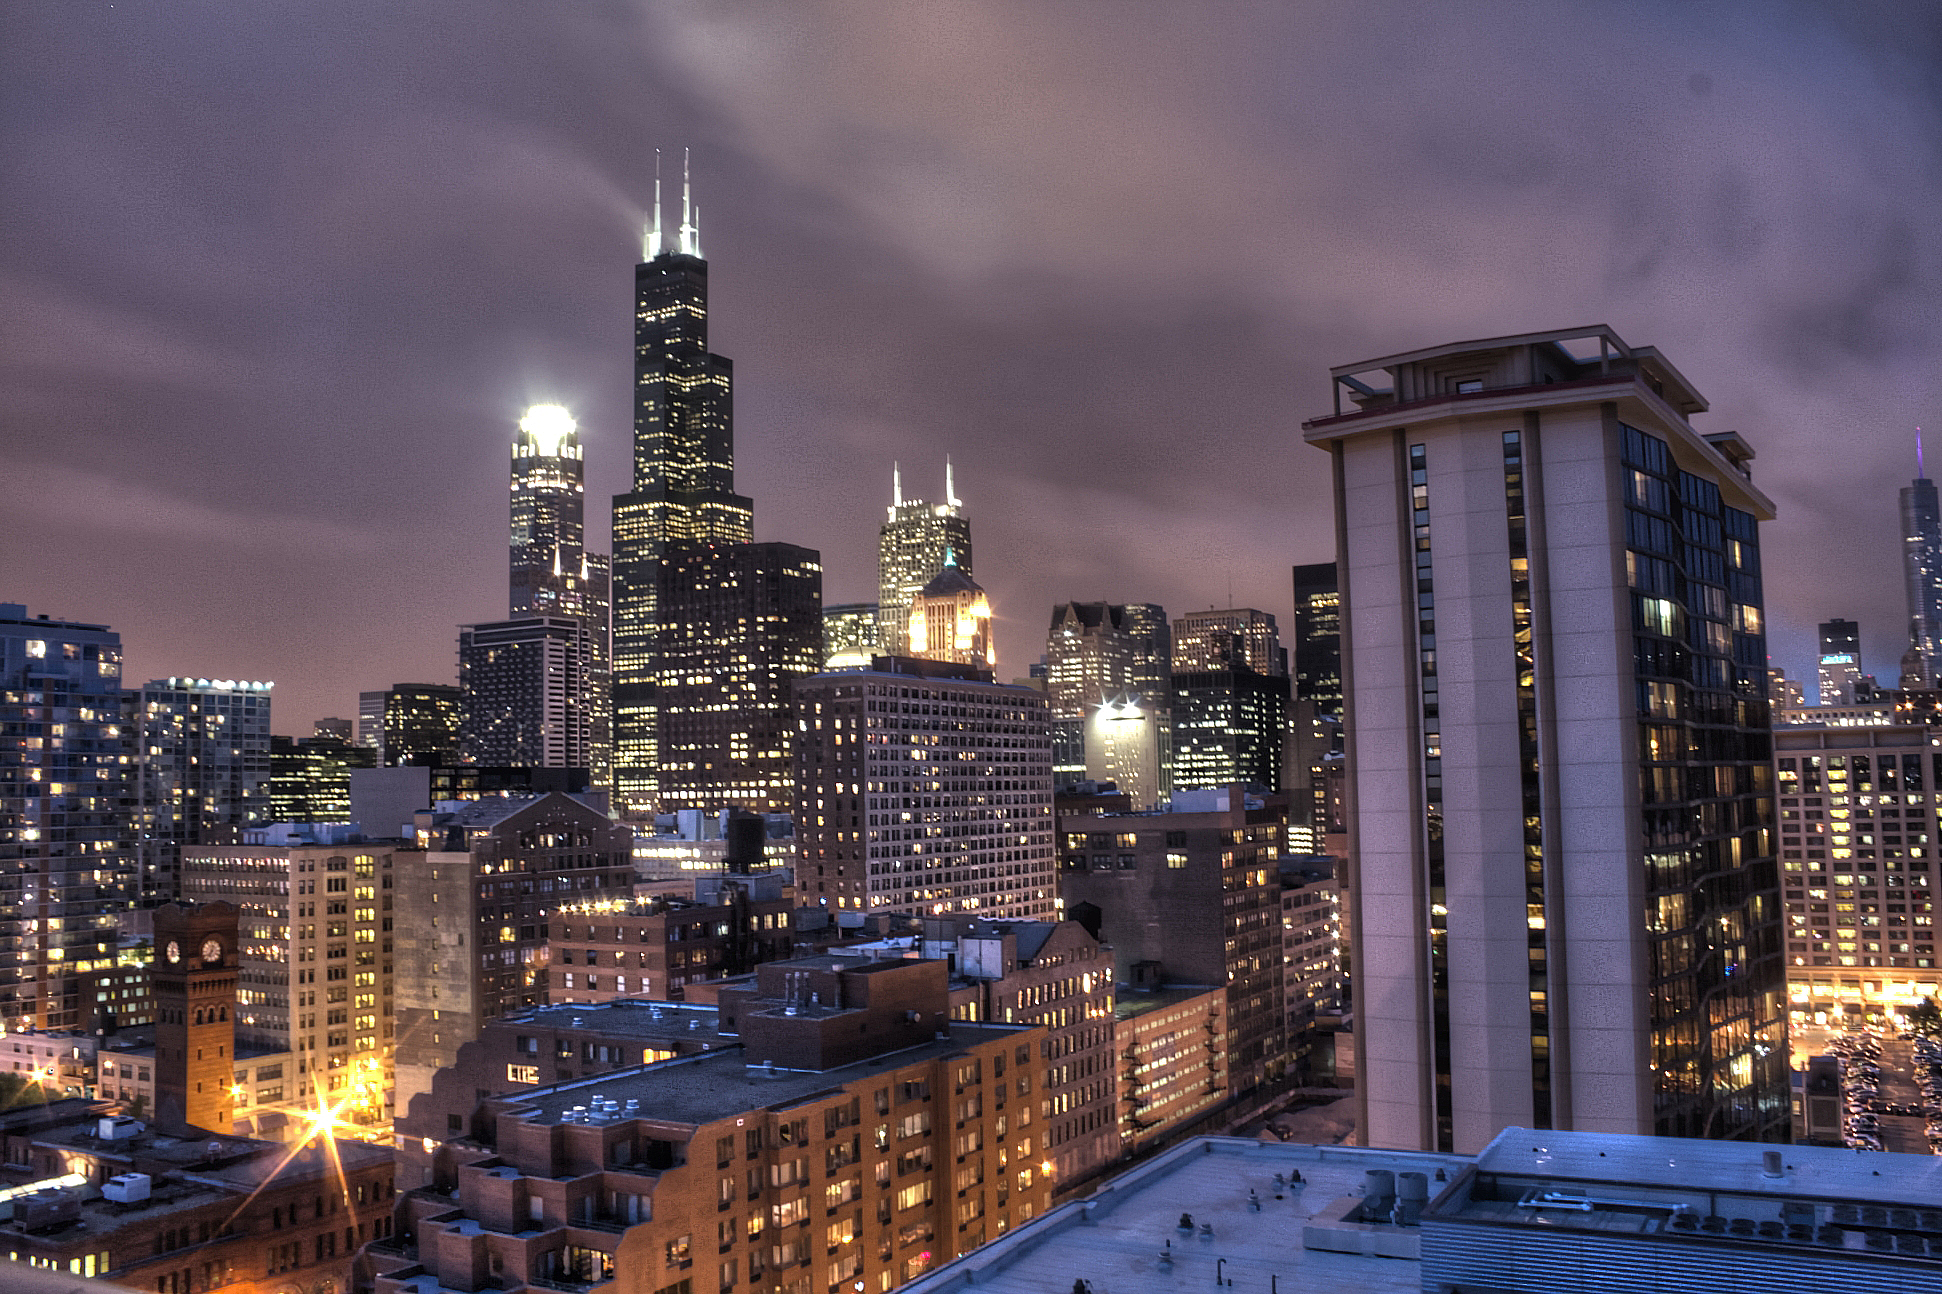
point(118, 1127)
point(126, 1188)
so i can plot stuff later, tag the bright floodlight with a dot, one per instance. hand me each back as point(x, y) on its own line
point(548, 425)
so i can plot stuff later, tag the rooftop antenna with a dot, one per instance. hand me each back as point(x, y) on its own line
point(1920, 474)
point(950, 490)
point(688, 241)
point(896, 485)
point(651, 243)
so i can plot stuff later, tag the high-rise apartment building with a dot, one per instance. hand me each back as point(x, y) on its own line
point(923, 788)
point(683, 487)
point(1840, 661)
point(411, 723)
point(950, 620)
point(1098, 654)
point(1566, 908)
point(203, 764)
point(739, 624)
point(1922, 570)
point(552, 574)
point(917, 540)
point(476, 904)
point(314, 961)
point(522, 686)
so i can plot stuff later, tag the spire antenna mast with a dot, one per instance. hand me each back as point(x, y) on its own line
point(896, 484)
point(689, 243)
point(651, 244)
point(950, 490)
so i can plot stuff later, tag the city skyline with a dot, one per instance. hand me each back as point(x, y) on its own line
point(276, 301)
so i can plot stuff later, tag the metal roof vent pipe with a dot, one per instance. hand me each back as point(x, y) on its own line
point(1773, 1165)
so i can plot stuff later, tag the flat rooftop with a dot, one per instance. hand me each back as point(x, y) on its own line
point(642, 1018)
point(1114, 1239)
point(717, 1085)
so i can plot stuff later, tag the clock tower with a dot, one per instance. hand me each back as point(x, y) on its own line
point(194, 978)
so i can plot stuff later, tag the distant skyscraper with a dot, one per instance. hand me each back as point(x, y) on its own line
point(740, 623)
point(950, 620)
point(67, 843)
point(684, 480)
point(912, 549)
point(1207, 640)
point(521, 683)
point(923, 788)
point(552, 572)
point(310, 778)
point(1840, 662)
point(1566, 902)
point(1922, 568)
point(1099, 654)
point(1230, 724)
point(1318, 638)
point(418, 723)
point(849, 634)
point(204, 764)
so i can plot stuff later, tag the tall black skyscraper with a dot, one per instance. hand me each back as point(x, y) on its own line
point(684, 480)
point(1922, 569)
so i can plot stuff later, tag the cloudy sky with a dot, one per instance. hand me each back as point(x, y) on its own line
point(279, 279)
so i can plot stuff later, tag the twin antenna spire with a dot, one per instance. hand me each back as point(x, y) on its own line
point(690, 232)
point(897, 485)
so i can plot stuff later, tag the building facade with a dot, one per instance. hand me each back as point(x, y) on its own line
point(913, 546)
point(477, 902)
point(1098, 654)
point(1921, 512)
point(411, 723)
point(923, 788)
point(1230, 724)
point(522, 685)
point(203, 766)
point(1840, 662)
point(739, 624)
point(310, 778)
point(850, 635)
point(950, 620)
point(1566, 907)
point(1195, 892)
point(683, 483)
point(1858, 832)
point(68, 855)
point(607, 949)
point(315, 973)
point(552, 573)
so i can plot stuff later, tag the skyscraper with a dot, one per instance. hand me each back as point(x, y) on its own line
point(1840, 661)
point(67, 848)
point(923, 787)
point(740, 623)
point(413, 723)
point(522, 684)
point(552, 574)
point(1318, 638)
point(204, 763)
point(684, 479)
point(849, 634)
point(1566, 905)
point(1217, 639)
point(1099, 655)
point(916, 541)
point(950, 619)
point(1230, 699)
point(1922, 568)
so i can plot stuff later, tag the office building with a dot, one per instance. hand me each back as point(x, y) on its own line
point(314, 973)
point(1172, 1042)
point(1840, 662)
point(923, 788)
point(1312, 984)
point(739, 623)
point(99, 1195)
point(857, 1136)
point(1858, 830)
point(1098, 654)
point(552, 574)
point(203, 766)
point(917, 540)
point(1193, 895)
point(1566, 908)
point(67, 845)
point(310, 778)
point(683, 482)
point(477, 902)
point(1922, 571)
point(950, 620)
point(411, 723)
point(1205, 641)
point(850, 635)
point(1318, 638)
point(522, 684)
point(1784, 693)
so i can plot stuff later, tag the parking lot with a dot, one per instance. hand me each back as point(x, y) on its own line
point(1891, 1091)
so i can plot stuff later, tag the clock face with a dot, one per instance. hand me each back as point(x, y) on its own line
point(212, 949)
point(173, 952)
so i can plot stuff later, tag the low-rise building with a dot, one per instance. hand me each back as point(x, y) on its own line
point(1173, 1049)
point(856, 1136)
point(617, 947)
point(1311, 963)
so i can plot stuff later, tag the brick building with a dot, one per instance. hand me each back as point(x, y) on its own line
point(610, 948)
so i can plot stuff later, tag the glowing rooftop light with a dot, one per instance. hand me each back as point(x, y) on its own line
point(548, 425)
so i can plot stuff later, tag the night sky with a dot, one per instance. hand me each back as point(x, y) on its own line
point(279, 279)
